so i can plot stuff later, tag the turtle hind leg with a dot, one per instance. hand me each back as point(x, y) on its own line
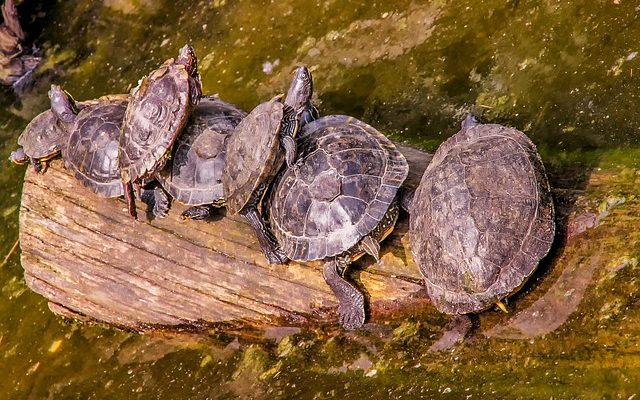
point(351, 308)
point(406, 199)
point(457, 330)
point(200, 213)
point(157, 200)
point(270, 246)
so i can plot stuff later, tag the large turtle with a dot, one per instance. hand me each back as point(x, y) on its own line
point(44, 137)
point(256, 150)
point(158, 110)
point(338, 201)
point(194, 175)
point(481, 220)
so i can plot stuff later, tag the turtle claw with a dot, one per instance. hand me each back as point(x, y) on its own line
point(351, 316)
point(275, 256)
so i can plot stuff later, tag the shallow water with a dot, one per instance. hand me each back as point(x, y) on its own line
point(566, 73)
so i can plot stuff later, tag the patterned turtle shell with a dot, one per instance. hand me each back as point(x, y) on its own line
point(481, 219)
point(91, 151)
point(345, 178)
point(194, 176)
point(253, 153)
point(158, 110)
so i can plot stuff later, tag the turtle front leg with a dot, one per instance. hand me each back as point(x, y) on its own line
point(351, 308)
point(200, 213)
point(130, 197)
point(268, 243)
point(37, 165)
point(406, 199)
point(289, 145)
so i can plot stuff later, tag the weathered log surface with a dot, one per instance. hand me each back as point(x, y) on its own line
point(90, 260)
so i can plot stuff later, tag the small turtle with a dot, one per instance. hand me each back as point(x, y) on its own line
point(480, 221)
point(44, 136)
point(338, 202)
point(91, 148)
point(158, 110)
point(194, 175)
point(255, 155)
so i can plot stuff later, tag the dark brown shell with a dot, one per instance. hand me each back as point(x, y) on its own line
point(45, 136)
point(481, 219)
point(156, 114)
point(91, 151)
point(346, 176)
point(253, 153)
point(194, 175)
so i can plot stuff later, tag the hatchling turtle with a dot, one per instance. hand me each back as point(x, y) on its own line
point(338, 201)
point(480, 221)
point(158, 110)
point(194, 175)
point(44, 136)
point(256, 150)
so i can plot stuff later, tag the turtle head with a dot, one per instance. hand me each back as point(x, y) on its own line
point(18, 156)
point(62, 104)
point(187, 57)
point(299, 94)
point(470, 121)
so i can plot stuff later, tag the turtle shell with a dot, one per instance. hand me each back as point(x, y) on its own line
point(45, 136)
point(482, 218)
point(194, 175)
point(91, 151)
point(154, 118)
point(345, 178)
point(253, 153)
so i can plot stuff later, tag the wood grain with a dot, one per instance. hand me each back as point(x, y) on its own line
point(91, 261)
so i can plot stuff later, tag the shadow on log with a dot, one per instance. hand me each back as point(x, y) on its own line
point(91, 261)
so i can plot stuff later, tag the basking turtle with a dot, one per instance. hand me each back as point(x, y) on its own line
point(338, 201)
point(45, 135)
point(91, 149)
point(481, 220)
point(256, 150)
point(158, 110)
point(194, 175)
point(300, 93)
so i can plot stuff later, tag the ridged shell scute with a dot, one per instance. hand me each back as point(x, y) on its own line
point(345, 178)
point(91, 151)
point(194, 175)
point(482, 218)
point(253, 153)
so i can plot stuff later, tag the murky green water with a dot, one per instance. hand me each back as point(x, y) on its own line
point(567, 73)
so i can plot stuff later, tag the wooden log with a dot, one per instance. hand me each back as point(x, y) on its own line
point(91, 261)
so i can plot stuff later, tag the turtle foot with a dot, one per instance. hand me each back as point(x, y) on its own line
point(197, 212)
point(458, 329)
point(351, 316)
point(157, 201)
point(275, 255)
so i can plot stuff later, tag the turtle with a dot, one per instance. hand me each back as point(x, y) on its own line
point(256, 150)
point(194, 175)
point(90, 141)
point(44, 137)
point(91, 148)
point(480, 221)
point(338, 201)
point(157, 113)
point(300, 93)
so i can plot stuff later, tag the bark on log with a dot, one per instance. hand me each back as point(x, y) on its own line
point(90, 260)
